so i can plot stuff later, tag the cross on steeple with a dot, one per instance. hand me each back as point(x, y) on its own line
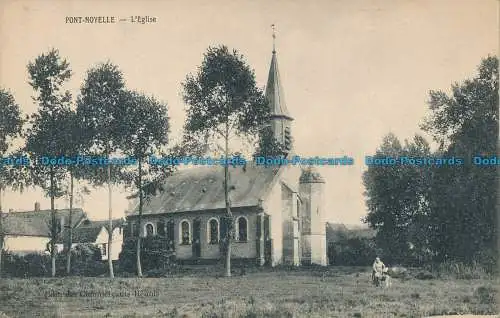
point(274, 37)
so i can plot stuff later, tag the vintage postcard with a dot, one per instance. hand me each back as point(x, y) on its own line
point(326, 158)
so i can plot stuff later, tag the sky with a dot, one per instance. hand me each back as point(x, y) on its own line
point(352, 71)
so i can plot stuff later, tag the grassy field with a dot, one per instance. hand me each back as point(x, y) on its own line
point(332, 292)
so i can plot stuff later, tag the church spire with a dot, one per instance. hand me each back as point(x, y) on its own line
point(274, 90)
point(274, 38)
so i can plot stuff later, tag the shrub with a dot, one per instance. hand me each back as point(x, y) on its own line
point(29, 265)
point(486, 294)
point(357, 251)
point(155, 254)
point(458, 270)
point(36, 265)
point(488, 259)
point(425, 275)
point(85, 261)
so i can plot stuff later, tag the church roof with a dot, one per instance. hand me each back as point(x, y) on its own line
point(274, 91)
point(202, 188)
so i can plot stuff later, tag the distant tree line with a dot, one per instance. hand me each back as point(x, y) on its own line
point(448, 213)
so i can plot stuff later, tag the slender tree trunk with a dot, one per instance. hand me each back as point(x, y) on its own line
point(139, 267)
point(53, 224)
point(1, 232)
point(70, 226)
point(110, 225)
point(497, 243)
point(229, 233)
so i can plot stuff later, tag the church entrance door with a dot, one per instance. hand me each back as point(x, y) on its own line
point(197, 238)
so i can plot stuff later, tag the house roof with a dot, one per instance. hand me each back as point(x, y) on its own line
point(88, 231)
point(103, 223)
point(36, 223)
point(202, 188)
point(82, 234)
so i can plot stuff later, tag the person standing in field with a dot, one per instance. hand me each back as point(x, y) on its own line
point(378, 271)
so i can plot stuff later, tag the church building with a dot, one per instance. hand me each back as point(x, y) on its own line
point(278, 211)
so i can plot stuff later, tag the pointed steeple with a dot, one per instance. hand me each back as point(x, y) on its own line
point(274, 90)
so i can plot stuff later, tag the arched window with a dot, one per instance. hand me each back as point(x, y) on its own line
point(213, 231)
point(149, 229)
point(185, 232)
point(242, 224)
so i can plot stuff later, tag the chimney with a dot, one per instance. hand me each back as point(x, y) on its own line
point(37, 206)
